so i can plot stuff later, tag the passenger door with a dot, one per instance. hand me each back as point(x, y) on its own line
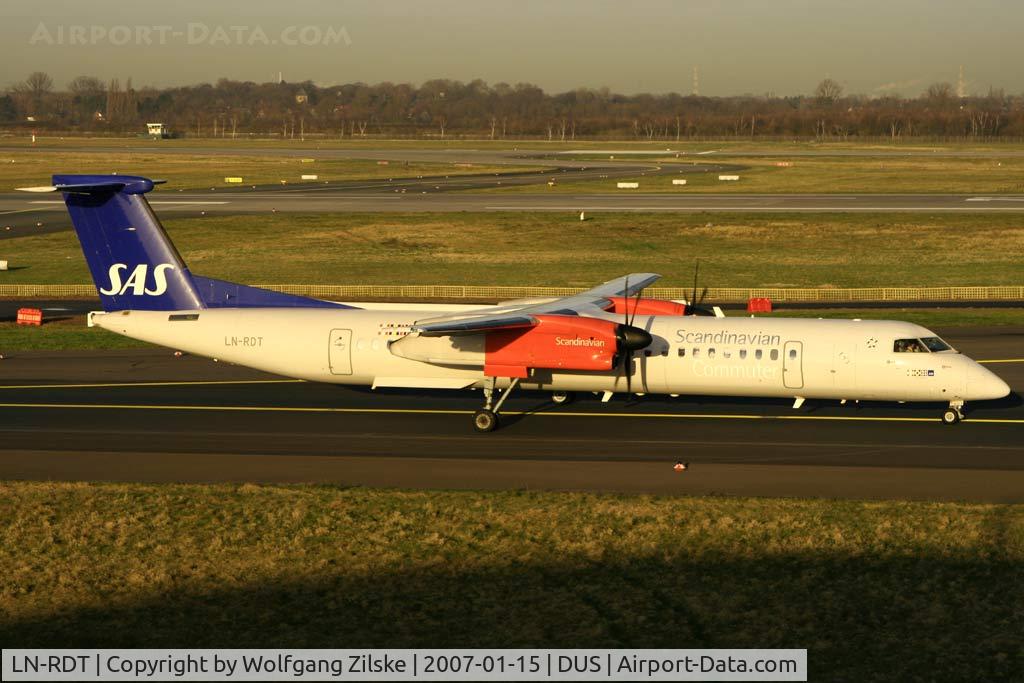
point(793, 365)
point(340, 352)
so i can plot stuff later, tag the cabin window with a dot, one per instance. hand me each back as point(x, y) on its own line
point(726, 354)
point(681, 352)
point(759, 354)
point(711, 353)
point(935, 344)
point(774, 354)
point(743, 354)
point(696, 353)
point(909, 346)
point(792, 354)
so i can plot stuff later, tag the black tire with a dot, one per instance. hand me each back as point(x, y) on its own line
point(485, 421)
point(950, 417)
point(561, 398)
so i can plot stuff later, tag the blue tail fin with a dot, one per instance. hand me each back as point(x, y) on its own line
point(133, 262)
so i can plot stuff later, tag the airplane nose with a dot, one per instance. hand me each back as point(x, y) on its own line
point(984, 385)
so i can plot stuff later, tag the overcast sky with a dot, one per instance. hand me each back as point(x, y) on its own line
point(740, 46)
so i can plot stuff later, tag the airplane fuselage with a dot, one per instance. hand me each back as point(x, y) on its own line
point(737, 356)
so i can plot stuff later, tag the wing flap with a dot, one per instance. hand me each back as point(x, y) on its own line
point(444, 328)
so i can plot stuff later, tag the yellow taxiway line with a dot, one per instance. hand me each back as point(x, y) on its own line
point(427, 411)
point(150, 384)
point(1003, 360)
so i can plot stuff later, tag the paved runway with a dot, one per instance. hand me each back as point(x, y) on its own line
point(145, 415)
point(22, 214)
point(26, 213)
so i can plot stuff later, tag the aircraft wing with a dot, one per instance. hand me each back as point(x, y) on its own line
point(587, 304)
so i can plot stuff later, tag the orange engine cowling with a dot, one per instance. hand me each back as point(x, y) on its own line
point(557, 341)
point(622, 305)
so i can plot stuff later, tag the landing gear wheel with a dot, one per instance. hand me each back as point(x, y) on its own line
point(562, 397)
point(485, 421)
point(951, 416)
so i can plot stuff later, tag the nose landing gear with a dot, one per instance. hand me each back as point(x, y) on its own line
point(486, 420)
point(953, 414)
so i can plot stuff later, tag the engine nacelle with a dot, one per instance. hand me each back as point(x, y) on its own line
point(622, 305)
point(558, 342)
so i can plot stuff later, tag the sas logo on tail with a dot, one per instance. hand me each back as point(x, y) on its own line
point(136, 282)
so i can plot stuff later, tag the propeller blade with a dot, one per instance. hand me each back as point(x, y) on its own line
point(636, 306)
point(696, 271)
point(625, 312)
point(629, 340)
point(627, 354)
point(627, 367)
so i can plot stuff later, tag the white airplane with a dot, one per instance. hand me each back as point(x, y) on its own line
point(606, 340)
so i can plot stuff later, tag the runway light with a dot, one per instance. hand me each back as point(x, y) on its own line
point(681, 466)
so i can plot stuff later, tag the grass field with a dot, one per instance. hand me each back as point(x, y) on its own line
point(986, 173)
point(817, 175)
point(875, 591)
point(72, 333)
point(736, 250)
point(190, 171)
point(731, 145)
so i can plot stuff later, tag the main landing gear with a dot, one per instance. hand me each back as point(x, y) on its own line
point(954, 413)
point(562, 397)
point(486, 420)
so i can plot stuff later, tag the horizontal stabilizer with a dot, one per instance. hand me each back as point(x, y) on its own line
point(101, 185)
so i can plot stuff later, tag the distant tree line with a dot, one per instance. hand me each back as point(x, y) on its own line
point(445, 108)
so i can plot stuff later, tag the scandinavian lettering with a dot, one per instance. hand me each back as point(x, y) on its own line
point(727, 337)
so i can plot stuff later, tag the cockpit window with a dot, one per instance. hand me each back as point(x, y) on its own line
point(935, 344)
point(909, 346)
